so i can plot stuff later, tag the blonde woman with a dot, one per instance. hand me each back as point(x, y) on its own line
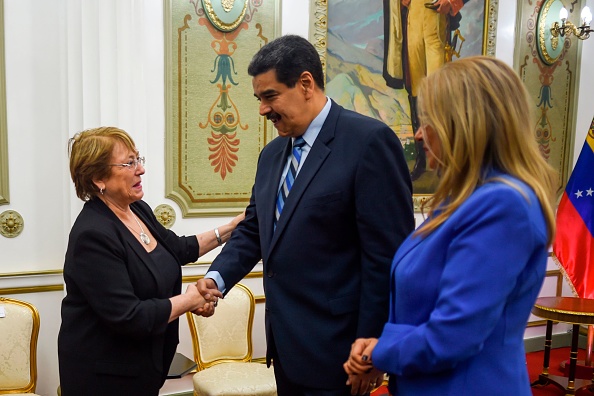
point(463, 284)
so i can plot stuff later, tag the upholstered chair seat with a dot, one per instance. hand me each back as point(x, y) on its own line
point(238, 379)
point(223, 350)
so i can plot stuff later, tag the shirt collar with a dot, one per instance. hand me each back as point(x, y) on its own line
point(313, 130)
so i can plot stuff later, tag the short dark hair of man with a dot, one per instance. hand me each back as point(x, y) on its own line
point(289, 56)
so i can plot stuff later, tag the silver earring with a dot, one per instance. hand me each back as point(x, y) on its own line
point(101, 191)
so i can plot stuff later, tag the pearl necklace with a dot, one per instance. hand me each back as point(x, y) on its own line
point(143, 237)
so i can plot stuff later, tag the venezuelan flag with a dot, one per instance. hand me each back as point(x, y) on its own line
point(574, 241)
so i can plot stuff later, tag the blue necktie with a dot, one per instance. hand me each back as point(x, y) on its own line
point(289, 178)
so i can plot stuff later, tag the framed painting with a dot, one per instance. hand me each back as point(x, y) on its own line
point(214, 132)
point(3, 130)
point(548, 66)
point(368, 70)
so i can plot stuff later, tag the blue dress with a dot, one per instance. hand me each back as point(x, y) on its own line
point(461, 297)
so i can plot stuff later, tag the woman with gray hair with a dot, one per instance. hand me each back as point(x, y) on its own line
point(123, 276)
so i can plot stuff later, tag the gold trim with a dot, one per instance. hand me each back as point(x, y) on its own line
point(562, 270)
point(260, 299)
point(542, 35)
point(537, 323)
point(3, 128)
point(564, 312)
point(31, 273)
point(217, 22)
point(193, 278)
point(30, 387)
point(31, 289)
point(490, 27)
point(318, 30)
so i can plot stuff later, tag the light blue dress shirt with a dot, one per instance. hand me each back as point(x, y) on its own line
point(310, 136)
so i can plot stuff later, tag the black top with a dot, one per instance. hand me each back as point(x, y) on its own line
point(115, 338)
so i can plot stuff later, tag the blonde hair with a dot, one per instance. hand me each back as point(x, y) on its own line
point(483, 118)
point(90, 154)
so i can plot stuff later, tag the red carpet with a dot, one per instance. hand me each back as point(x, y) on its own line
point(534, 361)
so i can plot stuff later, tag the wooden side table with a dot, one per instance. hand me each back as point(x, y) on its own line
point(576, 311)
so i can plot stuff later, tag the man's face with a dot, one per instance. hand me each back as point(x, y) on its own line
point(284, 106)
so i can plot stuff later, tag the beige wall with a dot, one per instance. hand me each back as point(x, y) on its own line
point(73, 64)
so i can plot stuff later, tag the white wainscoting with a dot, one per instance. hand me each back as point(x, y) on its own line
point(45, 290)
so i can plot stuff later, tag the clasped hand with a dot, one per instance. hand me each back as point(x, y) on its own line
point(207, 288)
point(205, 304)
point(363, 377)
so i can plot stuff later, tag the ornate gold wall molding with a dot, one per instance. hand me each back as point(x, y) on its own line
point(31, 282)
point(3, 131)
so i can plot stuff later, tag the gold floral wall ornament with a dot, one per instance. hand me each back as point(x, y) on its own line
point(165, 215)
point(11, 224)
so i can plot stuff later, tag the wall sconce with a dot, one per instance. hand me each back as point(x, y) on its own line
point(567, 28)
point(552, 34)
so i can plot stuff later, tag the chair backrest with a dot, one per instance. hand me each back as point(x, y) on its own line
point(19, 329)
point(227, 335)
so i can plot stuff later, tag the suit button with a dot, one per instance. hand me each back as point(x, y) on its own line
point(270, 274)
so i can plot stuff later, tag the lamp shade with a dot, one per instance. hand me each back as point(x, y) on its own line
point(563, 14)
point(586, 16)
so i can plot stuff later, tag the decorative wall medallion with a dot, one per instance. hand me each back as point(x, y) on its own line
point(165, 214)
point(11, 224)
point(549, 47)
point(550, 77)
point(225, 15)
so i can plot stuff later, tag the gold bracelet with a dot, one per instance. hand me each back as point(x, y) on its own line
point(219, 240)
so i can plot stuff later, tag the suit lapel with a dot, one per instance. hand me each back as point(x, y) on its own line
point(314, 161)
point(272, 180)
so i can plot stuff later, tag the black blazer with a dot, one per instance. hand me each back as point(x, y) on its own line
point(327, 265)
point(114, 338)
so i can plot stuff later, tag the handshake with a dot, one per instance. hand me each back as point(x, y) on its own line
point(203, 297)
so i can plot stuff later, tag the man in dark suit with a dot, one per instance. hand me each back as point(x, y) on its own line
point(327, 244)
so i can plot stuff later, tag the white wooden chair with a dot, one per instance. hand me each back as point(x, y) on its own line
point(19, 329)
point(223, 349)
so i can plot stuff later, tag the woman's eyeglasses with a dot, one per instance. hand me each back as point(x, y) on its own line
point(132, 164)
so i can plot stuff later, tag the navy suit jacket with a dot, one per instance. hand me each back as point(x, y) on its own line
point(461, 297)
point(326, 267)
point(114, 337)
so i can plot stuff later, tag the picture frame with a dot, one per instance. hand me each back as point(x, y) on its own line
point(214, 133)
point(351, 47)
point(4, 198)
